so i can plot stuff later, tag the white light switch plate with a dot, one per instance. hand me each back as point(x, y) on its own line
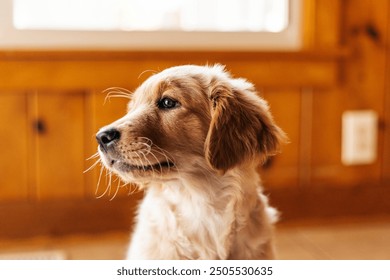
point(359, 137)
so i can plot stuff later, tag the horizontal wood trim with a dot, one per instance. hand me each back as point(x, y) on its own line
point(96, 70)
point(21, 219)
point(307, 54)
point(331, 202)
point(60, 217)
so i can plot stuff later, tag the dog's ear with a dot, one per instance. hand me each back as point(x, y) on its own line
point(241, 126)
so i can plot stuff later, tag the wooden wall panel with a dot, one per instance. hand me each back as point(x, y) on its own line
point(326, 138)
point(365, 76)
point(386, 125)
point(386, 104)
point(59, 144)
point(327, 169)
point(365, 73)
point(328, 23)
point(282, 170)
point(322, 23)
point(14, 146)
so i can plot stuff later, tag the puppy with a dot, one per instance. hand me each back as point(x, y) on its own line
point(193, 138)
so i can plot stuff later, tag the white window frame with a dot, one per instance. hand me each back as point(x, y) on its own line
point(11, 38)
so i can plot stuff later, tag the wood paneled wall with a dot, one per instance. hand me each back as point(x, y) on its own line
point(52, 104)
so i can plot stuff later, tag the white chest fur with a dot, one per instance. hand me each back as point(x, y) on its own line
point(203, 219)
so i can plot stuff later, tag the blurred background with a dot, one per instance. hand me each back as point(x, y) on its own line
point(323, 66)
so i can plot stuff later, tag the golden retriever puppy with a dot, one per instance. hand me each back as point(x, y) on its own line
point(193, 138)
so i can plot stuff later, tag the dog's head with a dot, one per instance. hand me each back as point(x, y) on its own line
point(189, 117)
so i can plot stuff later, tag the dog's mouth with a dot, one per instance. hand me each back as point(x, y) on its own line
point(117, 163)
point(127, 167)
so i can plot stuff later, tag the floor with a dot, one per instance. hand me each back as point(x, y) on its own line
point(341, 239)
point(335, 240)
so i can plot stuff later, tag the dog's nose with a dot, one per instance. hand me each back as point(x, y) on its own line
point(106, 137)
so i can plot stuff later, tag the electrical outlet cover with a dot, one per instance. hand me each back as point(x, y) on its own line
point(359, 137)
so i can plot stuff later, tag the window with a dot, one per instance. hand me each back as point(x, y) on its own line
point(150, 24)
point(152, 15)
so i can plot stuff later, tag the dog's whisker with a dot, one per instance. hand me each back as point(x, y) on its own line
point(118, 95)
point(118, 89)
point(154, 156)
point(169, 166)
point(100, 177)
point(107, 187)
point(122, 184)
point(114, 94)
point(146, 145)
point(116, 191)
point(92, 166)
point(117, 92)
point(149, 163)
point(95, 155)
point(132, 189)
point(159, 164)
point(147, 71)
point(109, 183)
point(148, 150)
point(168, 158)
point(146, 142)
point(140, 161)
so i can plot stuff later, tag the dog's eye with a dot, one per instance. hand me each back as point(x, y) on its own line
point(167, 103)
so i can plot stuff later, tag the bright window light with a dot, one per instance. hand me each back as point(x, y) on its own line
point(152, 15)
point(155, 25)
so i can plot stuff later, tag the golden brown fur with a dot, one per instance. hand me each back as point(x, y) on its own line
point(192, 139)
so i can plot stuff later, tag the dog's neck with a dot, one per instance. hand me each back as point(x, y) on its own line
point(210, 183)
